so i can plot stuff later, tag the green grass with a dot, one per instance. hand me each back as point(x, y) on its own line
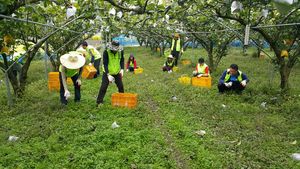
point(160, 132)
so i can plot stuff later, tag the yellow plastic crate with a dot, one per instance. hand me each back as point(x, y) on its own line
point(138, 70)
point(175, 69)
point(186, 62)
point(88, 72)
point(128, 100)
point(184, 79)
point(202, 81)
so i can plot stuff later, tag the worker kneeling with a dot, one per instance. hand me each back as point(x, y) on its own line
point(71, 66)
point(232, 79)
point(202, 70)
point(169, 64)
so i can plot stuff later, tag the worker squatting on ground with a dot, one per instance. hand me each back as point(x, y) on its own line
point(92, 56)
point(201, 69)
point(176, 48)
point(232, 79)
point(71, 66)
point(169, 64)
point(113, 69)
point(131, 63)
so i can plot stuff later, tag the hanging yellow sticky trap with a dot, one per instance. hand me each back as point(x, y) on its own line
point(284, 53)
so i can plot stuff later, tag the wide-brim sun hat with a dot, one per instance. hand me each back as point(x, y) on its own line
point(72, 60)
point(170, 56)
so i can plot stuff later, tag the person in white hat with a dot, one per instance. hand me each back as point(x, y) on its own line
point(71, 66)
point(169, 64)
point(113, 69)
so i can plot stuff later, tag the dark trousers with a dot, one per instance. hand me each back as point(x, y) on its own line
point(131, 69)
point(105, 83)
point(236, 86)
point(76, 88)
point(97, 66)
point(166, 68)
point(175, 54)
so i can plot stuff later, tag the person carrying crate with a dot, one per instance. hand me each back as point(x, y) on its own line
point(92, 56)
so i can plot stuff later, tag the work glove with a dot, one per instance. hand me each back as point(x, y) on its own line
point(244, 83)
point(122, 72)
point(127, 70)
point(200, 75)
point(195, 72)
point(229, 84)
point(170, 71)
point(78, 81)
point(111, 79)
point(90, 64)
point(67, 94)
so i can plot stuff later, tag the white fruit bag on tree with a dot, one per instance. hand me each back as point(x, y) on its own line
point(71, 11)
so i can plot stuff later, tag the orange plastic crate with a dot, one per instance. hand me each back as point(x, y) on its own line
point(53, 81)
point(128, 100)
point(186, 62)
point(88, 72)
point(202, 82)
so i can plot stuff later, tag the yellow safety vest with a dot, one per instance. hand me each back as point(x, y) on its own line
point(113, 63)
point(227, 77)
point(177, 45)
point(201, 69)
point(69, 72)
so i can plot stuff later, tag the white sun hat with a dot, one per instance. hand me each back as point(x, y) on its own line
point(170, 56)
point(72, 60)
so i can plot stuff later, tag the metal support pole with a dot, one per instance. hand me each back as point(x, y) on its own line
point(46, 61)
point(9, 97)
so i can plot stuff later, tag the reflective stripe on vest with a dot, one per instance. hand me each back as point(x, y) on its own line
point(227, 77)
point(177, 45)
point(201, 69)
point(113, 63)
point(69, 72)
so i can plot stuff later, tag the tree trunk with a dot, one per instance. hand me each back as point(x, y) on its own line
point(284, 76)
point(211, 60)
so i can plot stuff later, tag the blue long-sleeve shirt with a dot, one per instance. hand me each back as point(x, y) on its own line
point(232, 78)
